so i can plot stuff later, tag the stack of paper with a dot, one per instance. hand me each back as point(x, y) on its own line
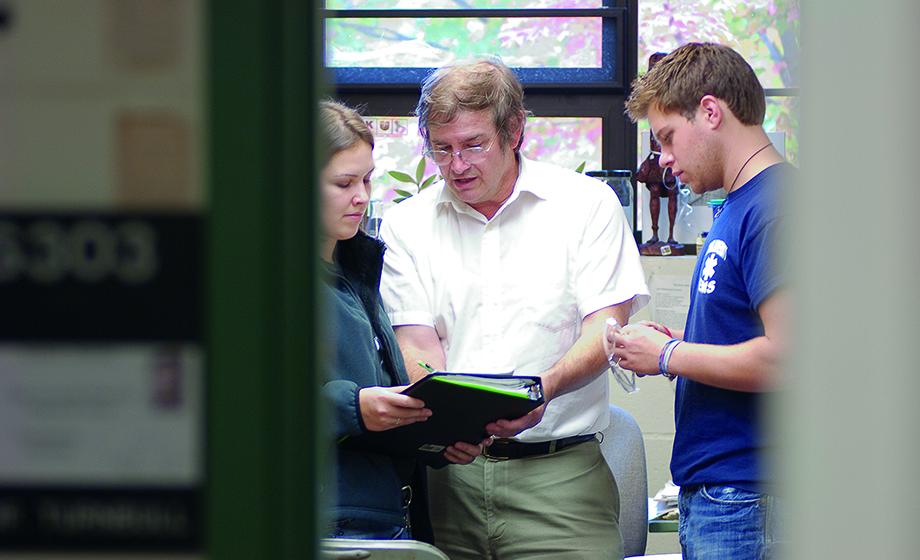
point(664, 504)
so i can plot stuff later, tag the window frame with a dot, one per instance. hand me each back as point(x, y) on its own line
point(614, 59)
point(578, 99)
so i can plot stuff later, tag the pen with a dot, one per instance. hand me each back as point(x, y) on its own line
point(426, 367)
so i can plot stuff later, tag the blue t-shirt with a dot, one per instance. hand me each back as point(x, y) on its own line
point(719, 438)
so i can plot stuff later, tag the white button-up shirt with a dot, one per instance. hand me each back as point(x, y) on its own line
point(510, 293)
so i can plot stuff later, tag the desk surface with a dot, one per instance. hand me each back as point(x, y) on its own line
point(656, 525)
point(662, 526)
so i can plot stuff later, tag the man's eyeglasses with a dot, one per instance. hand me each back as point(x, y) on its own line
point(473, 155)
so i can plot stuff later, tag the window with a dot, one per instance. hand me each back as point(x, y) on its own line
point(547, 41)
point(765, 32)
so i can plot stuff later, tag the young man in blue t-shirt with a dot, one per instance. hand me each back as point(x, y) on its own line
point(706, 108)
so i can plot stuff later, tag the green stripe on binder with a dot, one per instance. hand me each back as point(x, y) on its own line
point(481, 387)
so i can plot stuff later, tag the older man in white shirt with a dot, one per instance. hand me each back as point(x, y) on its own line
point(512, 264)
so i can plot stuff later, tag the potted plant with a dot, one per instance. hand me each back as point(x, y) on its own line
point(418, 179)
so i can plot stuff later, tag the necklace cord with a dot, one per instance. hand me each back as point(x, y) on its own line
point(747, 161)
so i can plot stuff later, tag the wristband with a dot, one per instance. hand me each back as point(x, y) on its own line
point(665, 357)
point(667, 360)
point(661, 357)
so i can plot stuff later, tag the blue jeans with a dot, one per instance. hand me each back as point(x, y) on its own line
point(350, 528)
point(718, 522)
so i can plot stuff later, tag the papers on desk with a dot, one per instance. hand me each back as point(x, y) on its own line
point(664, 504)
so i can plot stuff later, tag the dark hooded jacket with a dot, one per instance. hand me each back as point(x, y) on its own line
point(362, 352)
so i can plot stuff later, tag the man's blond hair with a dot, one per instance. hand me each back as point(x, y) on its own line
point(678, 82)
point(485, 84)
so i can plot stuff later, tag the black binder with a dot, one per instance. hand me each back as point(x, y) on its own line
point(461, 405)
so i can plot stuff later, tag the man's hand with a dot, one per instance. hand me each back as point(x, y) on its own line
point(385, 408)
point(463, 453)
point(511, 428)
point(672, 333)
point(637, 348)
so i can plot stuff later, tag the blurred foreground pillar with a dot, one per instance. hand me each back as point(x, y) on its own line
point(850, 420)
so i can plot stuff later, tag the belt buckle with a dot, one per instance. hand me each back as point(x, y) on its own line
point(488, 455)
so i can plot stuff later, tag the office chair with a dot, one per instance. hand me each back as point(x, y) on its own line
point(357, 549)
point(624, 450)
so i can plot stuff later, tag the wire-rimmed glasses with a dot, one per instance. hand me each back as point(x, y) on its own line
point(471, 155)
point(626, 379)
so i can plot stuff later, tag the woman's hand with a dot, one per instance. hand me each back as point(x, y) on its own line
point(385, 408)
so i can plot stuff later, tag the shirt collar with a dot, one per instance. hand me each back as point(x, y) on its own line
point(528, 181)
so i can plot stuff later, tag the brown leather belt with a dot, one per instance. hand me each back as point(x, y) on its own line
point(504, 449)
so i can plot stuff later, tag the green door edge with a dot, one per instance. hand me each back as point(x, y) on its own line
point(263, 416)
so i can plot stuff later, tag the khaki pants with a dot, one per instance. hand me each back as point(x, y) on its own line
point(562, 506)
